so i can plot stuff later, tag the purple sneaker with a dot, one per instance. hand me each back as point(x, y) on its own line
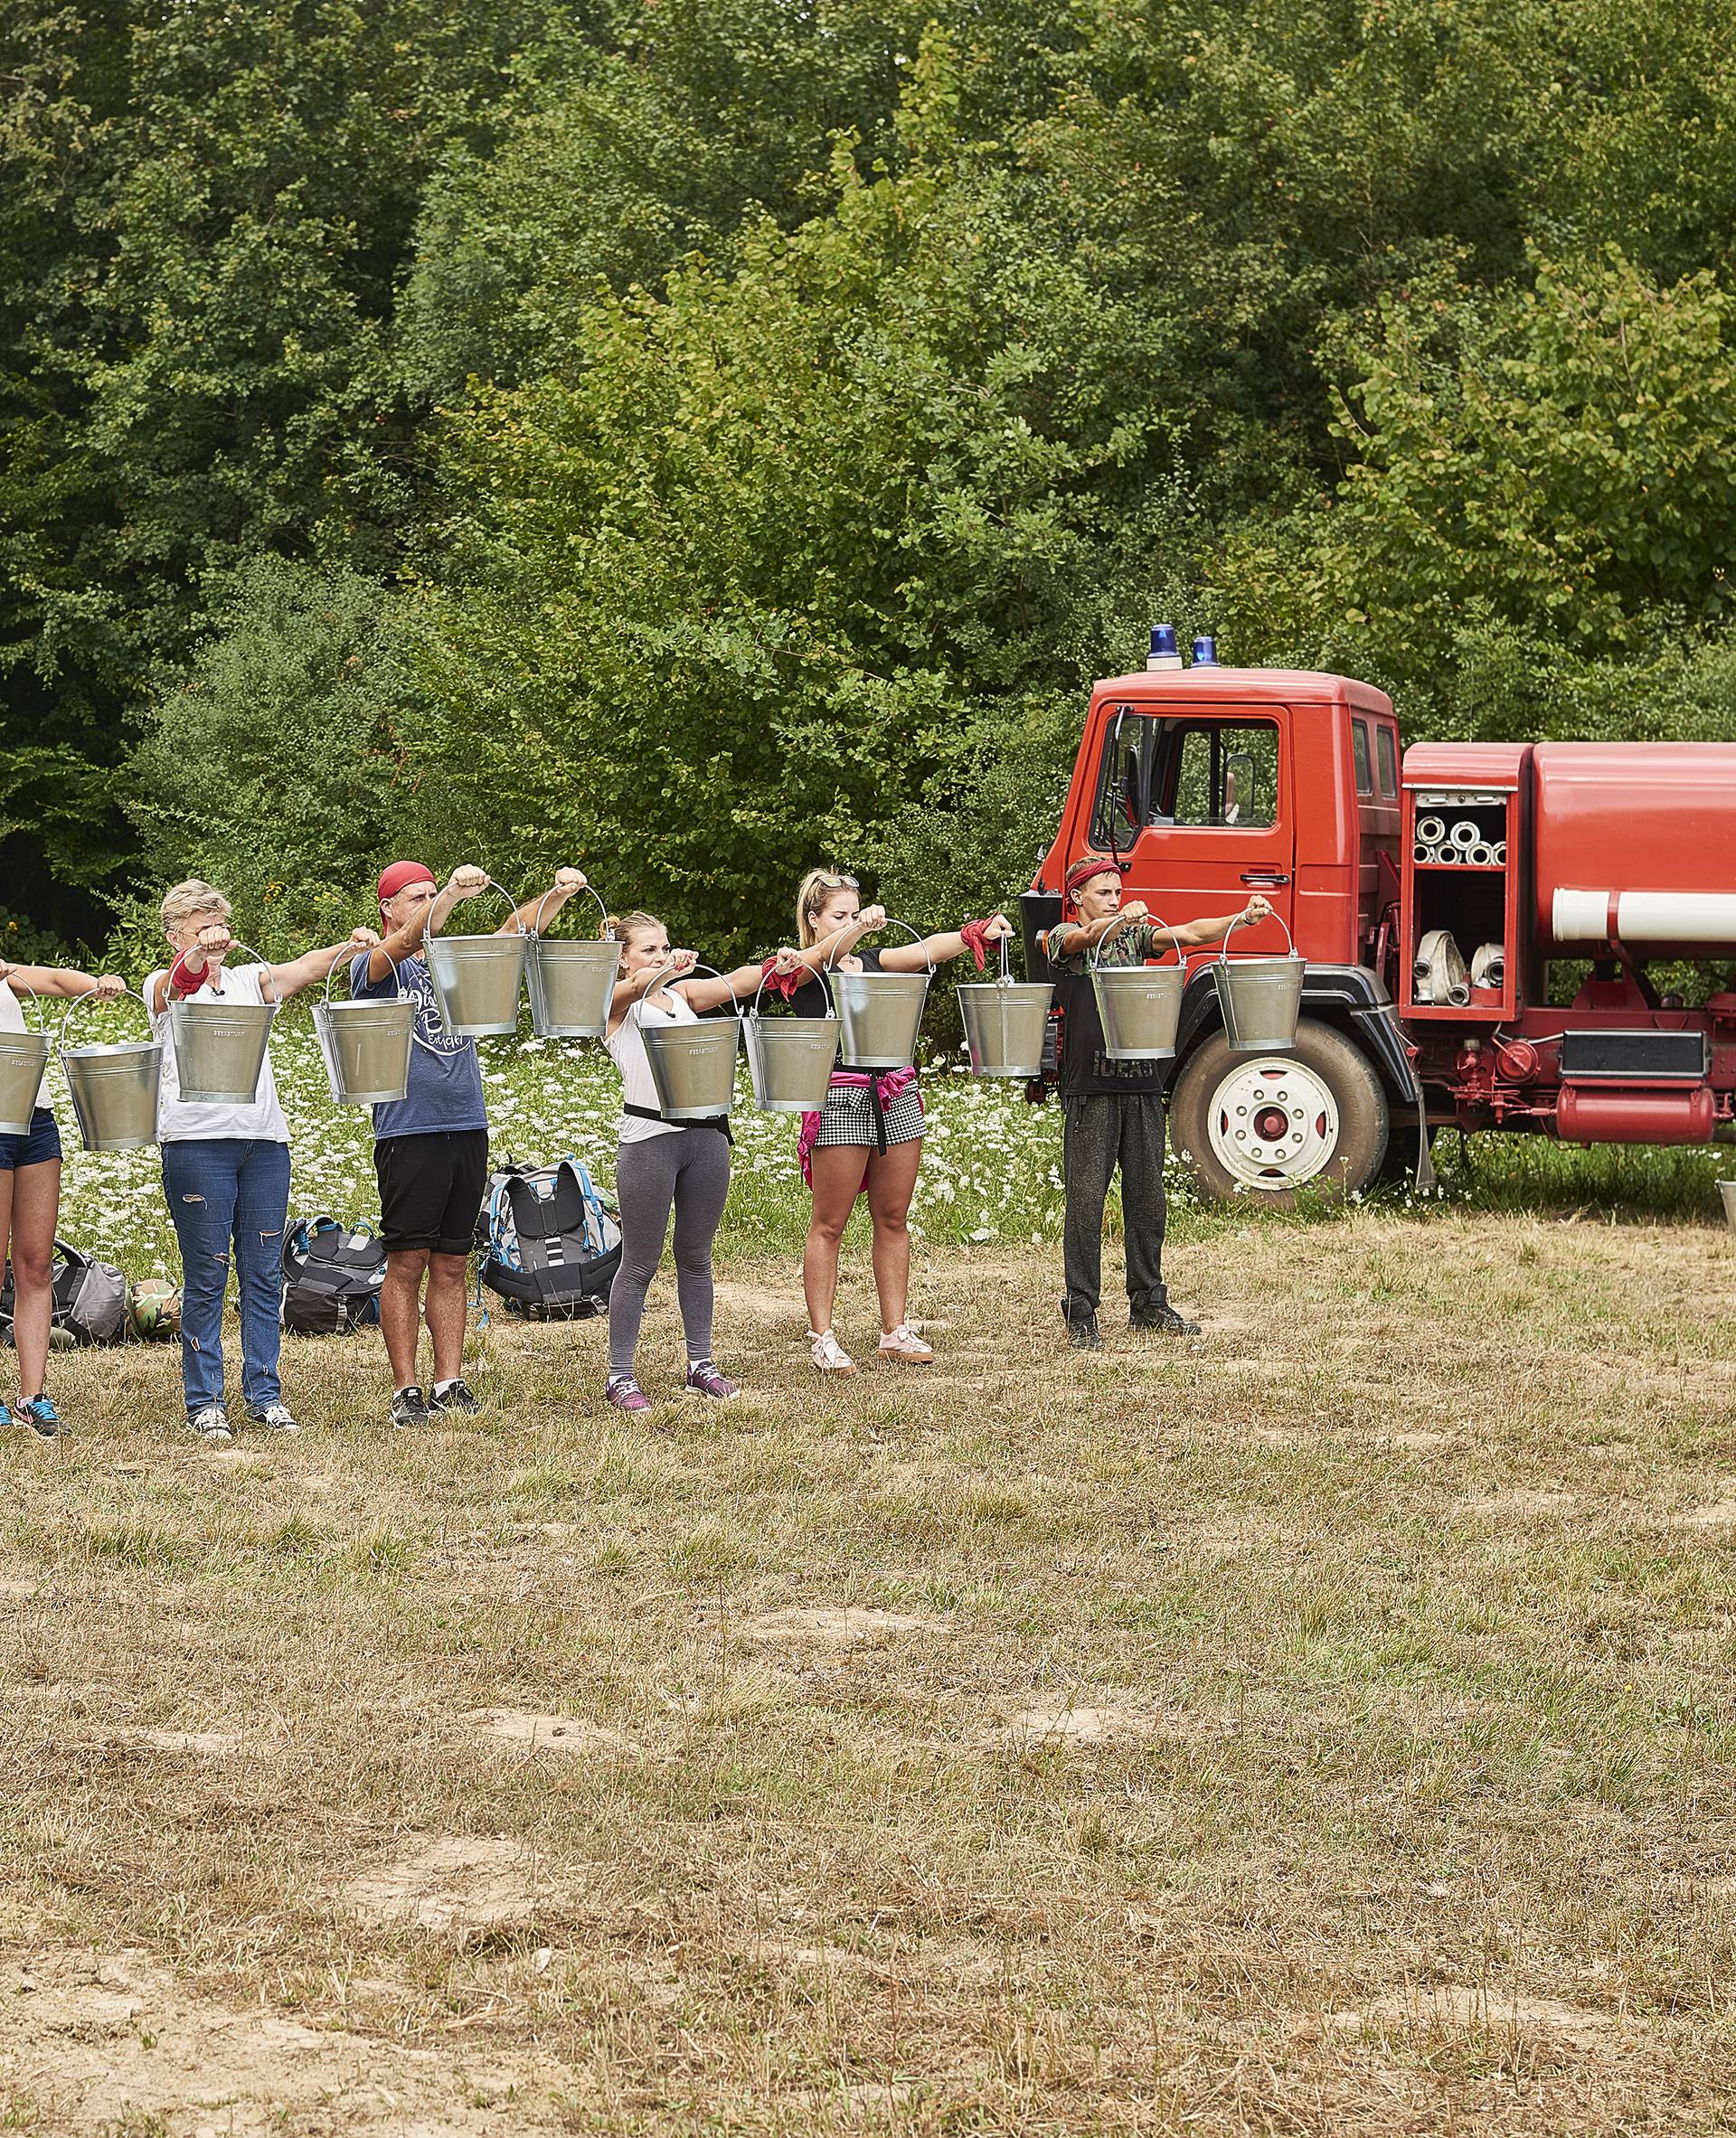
point(627, 1395)
point(704, 1379)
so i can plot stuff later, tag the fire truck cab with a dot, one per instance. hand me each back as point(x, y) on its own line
point(1428, 895)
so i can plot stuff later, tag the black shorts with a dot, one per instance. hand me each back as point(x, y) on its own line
point(431, 1188)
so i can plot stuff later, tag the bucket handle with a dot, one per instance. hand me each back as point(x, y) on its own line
point(915, 936)
point(536, 923)
point(818, 972)
point(271, 1001)
point(1289, 940)
point(129, 994)
point(639, 1005)
point(330, 970)
point(42, 1020)
point(520, 929)
point(1151, 921)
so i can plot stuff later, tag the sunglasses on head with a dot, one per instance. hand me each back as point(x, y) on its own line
point(830, 881)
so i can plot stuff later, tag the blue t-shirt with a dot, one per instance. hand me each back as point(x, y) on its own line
point(445, 1092)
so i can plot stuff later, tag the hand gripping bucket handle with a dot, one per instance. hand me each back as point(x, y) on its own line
point(572, 980)
point(220, 1044)
point(692, 1066)
point(23, 1056)
point(478, 979)
point(882, 1013)
point(365, 1043)
point(113, 1087)
point(791, 1057)
point(1260, 997)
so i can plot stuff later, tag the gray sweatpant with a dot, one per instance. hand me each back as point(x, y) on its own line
point(691, 1170)
point(1100, 1132)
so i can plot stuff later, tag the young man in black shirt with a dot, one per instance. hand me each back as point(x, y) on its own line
point(1114, 1110)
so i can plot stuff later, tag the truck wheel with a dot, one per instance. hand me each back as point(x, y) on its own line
point(1265, 1124)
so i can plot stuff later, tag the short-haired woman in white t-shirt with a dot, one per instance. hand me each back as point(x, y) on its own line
point(226, 1168)
point(30, 1204)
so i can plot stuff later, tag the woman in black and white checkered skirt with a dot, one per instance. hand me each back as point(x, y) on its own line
point(868, 1140)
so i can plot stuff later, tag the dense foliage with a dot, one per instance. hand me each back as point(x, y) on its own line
point(703, 436)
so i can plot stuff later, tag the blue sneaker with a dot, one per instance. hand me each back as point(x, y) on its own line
point(40, 1416)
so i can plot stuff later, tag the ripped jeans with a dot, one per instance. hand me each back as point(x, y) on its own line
point(229, 1189)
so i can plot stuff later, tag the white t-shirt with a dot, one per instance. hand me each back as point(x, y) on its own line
point(179, 1121)
point(11, 1019)
point(626, 1045)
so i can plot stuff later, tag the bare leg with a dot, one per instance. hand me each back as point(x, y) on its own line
point(400, 1316)
point(837, 1175)
point(35, 1202)
point(891, 1182)
point(445, 1310)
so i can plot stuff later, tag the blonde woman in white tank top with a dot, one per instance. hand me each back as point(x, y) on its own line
point(30, 1201)
point(663, 1166)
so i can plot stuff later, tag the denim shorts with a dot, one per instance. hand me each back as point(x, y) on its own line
point(40, 1144)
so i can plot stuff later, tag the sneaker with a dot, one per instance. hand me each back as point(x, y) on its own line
point(627, 1395)
point(453, 1397)
point(277, 1418)
point(410, 1407)
point(1161, 1314)
point(40, 1415)
point(829, 1354)
point(211, 1423)
point(704, 1379)
point(903, 1343)
point(1082, 1332)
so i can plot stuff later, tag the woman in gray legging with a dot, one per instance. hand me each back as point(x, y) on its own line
point(661, 1163)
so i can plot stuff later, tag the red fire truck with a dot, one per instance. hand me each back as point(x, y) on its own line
point(1431, 899)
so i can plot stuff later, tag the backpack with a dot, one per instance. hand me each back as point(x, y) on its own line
point(92, 1301)
point(549, 1247)
point(332, 1276)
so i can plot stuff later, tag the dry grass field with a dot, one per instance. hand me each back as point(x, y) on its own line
point(1326, 1728)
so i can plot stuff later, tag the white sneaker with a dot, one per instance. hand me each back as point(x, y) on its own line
point(829, 1354)
point(277, 1418)
point(903, 1343)
point(211, 1423)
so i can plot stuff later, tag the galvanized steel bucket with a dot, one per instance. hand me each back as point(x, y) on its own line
point(365, 1044)
point(1139, 1007)
point(791, 1058)
point(692, 1066)
point(477, 979)
point(882, 1013)
point(572, 983)
point(220, 1046)
point(23, 1056)
point(1727, 1190)
point(114, 1088)
point(1261, 997)
point(1005, 1024)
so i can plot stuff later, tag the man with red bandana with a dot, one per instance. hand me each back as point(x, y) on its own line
point(430, 1147)
point(1114, 1110)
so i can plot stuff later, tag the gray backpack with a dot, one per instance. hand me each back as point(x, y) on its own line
point(90, 1301)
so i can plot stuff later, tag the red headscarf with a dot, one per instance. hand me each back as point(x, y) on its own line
point(1081, 874)
point(393, 879)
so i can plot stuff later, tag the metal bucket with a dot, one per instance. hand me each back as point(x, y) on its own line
point(1727, 1189)
point(477, 979)
point(114, 1088)
point(366, 1045)
point(1005, 1024)
point(692, 1066)
point(1139, 1007)
point(23, 1056)
point(791, 1058)
point(1261, 997)
point(572, 983)
point(220, 1047)
point(882, 1013)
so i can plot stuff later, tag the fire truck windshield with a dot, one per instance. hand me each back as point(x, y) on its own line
point(1207, 774)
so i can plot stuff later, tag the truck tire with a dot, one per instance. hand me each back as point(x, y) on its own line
point(1270, 1124)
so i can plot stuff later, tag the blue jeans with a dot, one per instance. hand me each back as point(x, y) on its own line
point(227, 1189)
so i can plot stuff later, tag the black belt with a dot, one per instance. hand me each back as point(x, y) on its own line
point(874, 1105)
point(721, 1121)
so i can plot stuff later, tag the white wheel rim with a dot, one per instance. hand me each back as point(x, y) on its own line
point(1272, 1124)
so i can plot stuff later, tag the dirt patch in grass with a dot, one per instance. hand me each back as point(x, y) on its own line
point(565, 1734)
point(834, 1625)
point(452, 1883)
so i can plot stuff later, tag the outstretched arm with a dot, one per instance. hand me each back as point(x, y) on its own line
point(59, 980)
point(1190, 934)
point(568, 883)
point(314, 964)
point(731, 987)
point(941, 949)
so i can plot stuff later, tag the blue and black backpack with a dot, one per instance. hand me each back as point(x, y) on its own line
point(549, 1247)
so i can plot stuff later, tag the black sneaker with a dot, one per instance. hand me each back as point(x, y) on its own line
point(40, 1415)
point(454, 1398)
point(1082, 1332)
point(1159, 1314)
point(410, 1407)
